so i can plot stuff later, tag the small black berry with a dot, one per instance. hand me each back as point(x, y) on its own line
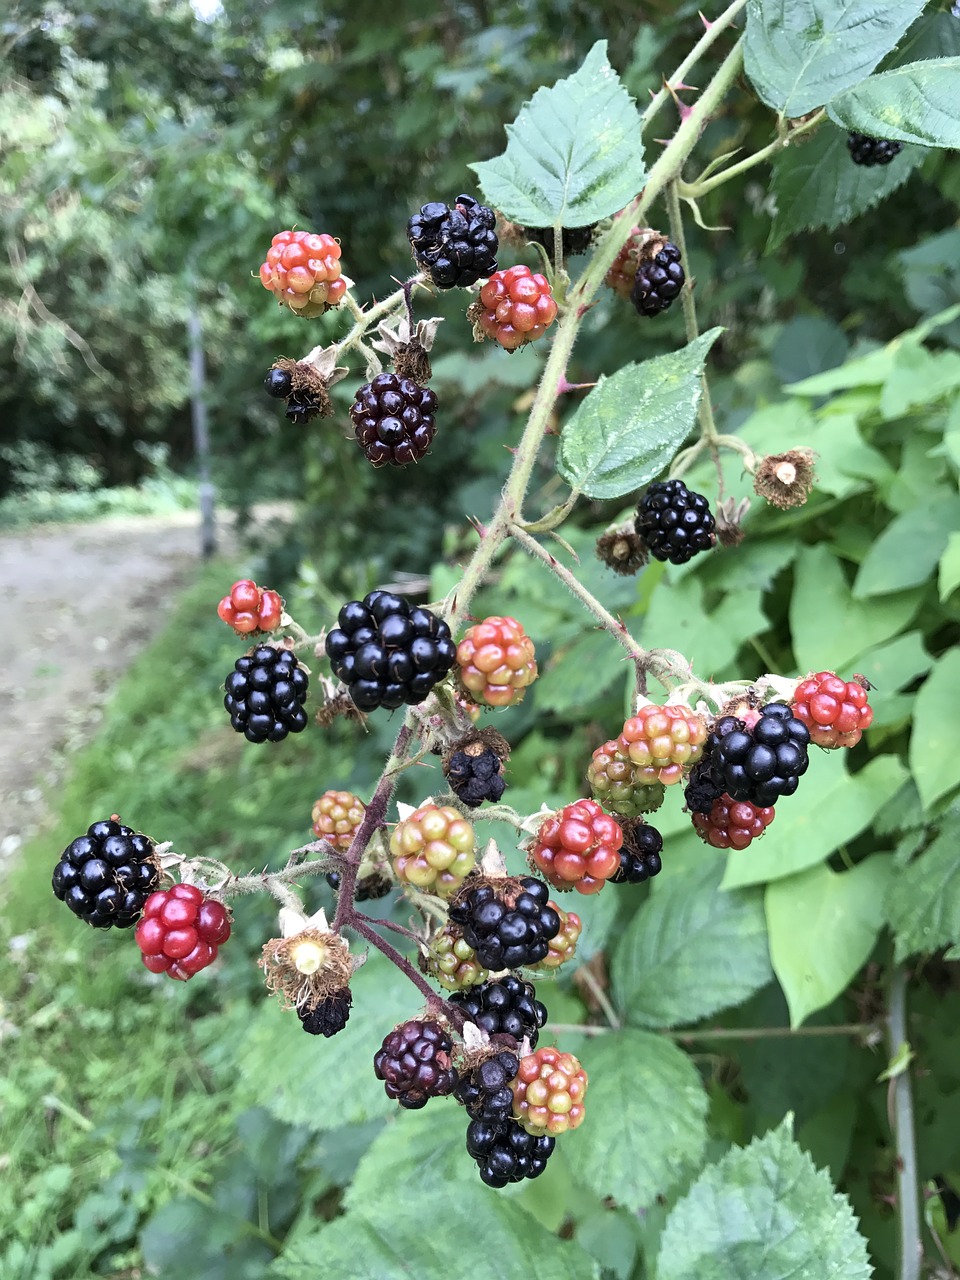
point(277, 383)
point(639, 854)
point(658, 281)
point(766, 762)
point(504, 1006)
point(506, 1152)
point(454, 246)
point(486, 1091)
point(105, 876)
point(868, 151)
point(505, 935)
point(265, 694)
point(393, 420)
point(329, 1016)
point(674, 522)
point(414, 1064)
point(475, 778)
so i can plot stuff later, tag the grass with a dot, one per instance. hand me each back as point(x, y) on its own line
point(154, 497)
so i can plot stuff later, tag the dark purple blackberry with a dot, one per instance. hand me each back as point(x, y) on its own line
point(414, 1064)
point(393, 420)
point(265, 694)
point(301, 407)
point(766, 762)
point(658, 281)
point(871, 151)
point(368, 889)
point(106, 876)
point(504, 1006)
point(639, 854)
point(573, 240)
point(486, 1091)
point(277, 383)
point(674, 522)
point(507, 934)
point(329, 1016)
point(506, 1152)
point(388, 652)
point(457, 246)
point(475, 778)
point(705, 785)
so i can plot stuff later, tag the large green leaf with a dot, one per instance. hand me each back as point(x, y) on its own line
point(630, 425)
point(829, 627)
point(763, 1212)
point(573, 154)
point(923, 901)
point(678, 619)
point(934, 758)
point(908, 550)
point(576, 676)
point(822, 928)
point(646, 1119)
point(801, 53)
point(691, 949)
point(915, 103)
point(831, 806)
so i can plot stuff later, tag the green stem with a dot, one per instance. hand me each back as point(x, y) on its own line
point(694, 190)
point(708, 425)
point(713, 31)
point(908, 1186)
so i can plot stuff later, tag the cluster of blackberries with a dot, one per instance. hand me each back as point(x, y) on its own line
point(388, 652)
point(475, 778)
point(658, 281)
point(504, 1006)
point(639, 854)
point(415, 1064)
point(762, 763)
point(454, 246)
point(507, 931)
point(107, 875)
point(301, 405)
point(265, 694)
point(673, 522)
point(507, 1152)
point(872, 151)
point(393, 420)
point(329, 1016)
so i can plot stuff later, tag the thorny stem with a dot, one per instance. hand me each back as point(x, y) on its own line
point(713, 31)
point(908, 1188)
point(784, 138)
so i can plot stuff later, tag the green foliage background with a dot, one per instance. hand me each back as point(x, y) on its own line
point(145, 160)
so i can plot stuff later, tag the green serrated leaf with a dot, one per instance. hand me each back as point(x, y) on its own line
point(830, 808)
point(690, 950)
point(799, 54)
point(817, 185)
point(822, 928)
point(631, 424)
point(574, 153)
point(646, 1126)
point(576, 676)
point(915, 103)
point(923, 902)
point(907, 551)
point(934, 759)
point(764, 1211)
point(678, 618)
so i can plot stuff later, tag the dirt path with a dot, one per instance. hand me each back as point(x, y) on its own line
point(80, 600)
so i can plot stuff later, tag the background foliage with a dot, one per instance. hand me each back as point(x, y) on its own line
point(145, 160)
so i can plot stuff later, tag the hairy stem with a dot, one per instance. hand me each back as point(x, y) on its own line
point(714, 30)
point(708, 426)
point(694, 190)
point(908, 1187)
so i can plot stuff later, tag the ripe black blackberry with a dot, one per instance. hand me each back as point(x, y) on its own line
point(869, 151)
point(486, 1091)
point(510, 930)
point(393, 420)
point(301, 407)
point(658, 281)
point(639, 854)
point(674, 522)
point(105, 876)
point(573, 240)
point(329, 1016)
point(277, 383)
point(704, 787)
point(766, 762)
point(504, 1006)
point(414, 1064)
point(370, 887)
point(506, 1152)
point(388, 652)
point(454, 246)
point(265, 694)
point(475, 778)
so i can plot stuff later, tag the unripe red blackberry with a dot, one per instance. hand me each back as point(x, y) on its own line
point(415, 1065)
point(181, 931)
point(548, 1092)
point(509, 928)
point(675, 523)
point(433, 849)
point(732, 824)
point(578, 847)
point(662, 741)
point(835, 711)
point(455, 246)
point(106, 876)
point(249, 608)
point(393, 420)
point(302, 271)
point(516, 307)
point(497, 661)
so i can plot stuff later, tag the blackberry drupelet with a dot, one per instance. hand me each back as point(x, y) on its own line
point(510, 930)
point(506, 1152)
point(388, 652)
point(265, 694)
point(414, 1064)
point(454, 246)
point(329, 1016)
point(766, 762)
point(107, 875)
point(277, 383)
point(486, 1091)
point(868, 151)
point(658, 281)
point(639, 855)
point(393, 420)
point(475, 778)
point(504, 1006)
point(674, 522)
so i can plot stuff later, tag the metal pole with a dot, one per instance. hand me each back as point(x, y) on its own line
point(201, 434)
